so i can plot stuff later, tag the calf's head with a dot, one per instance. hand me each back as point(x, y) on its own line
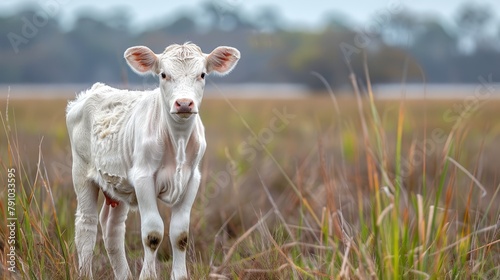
point(181, 70)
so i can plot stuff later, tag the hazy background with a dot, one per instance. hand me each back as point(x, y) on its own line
point(69, 42)
point(348, 187)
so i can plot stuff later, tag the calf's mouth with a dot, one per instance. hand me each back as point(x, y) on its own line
point(184, 115)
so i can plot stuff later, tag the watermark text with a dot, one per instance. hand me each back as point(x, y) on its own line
point(11, 220)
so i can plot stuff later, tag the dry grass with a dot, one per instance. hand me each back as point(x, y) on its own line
point(378, 190)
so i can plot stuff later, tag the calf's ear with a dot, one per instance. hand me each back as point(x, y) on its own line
point(142, 60)
point(222, 60)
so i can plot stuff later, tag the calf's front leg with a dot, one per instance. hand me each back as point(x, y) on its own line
point(151, 224)
point(179, 228)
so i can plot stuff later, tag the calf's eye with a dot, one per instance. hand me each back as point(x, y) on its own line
point(163, 75)
point(202, 75)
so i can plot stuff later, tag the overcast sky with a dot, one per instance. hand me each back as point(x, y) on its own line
point(309, 13)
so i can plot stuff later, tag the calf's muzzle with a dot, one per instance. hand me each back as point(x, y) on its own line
point(184, 106)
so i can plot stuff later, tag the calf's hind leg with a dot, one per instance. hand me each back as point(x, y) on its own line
point(85, 220)
point(112, 221)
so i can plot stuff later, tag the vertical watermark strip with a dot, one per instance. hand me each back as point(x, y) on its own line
point(11, 220)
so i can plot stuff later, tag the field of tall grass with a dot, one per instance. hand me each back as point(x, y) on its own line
point(318, 188)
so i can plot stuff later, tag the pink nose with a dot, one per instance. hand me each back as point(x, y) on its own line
point(184, 105)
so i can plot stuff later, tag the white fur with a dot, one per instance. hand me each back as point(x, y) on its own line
point(132, 146)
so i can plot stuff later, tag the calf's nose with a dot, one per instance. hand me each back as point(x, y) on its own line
point(184, 105)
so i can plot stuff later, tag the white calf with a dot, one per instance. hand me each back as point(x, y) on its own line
point(137, 146)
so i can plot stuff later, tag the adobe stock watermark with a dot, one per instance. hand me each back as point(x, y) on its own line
point(365, 37)
point(224, 6)
point(460, 111)
point(63, 169)
point(249, 148)
point(30, 26)
point(261, 38)
point(11, 256)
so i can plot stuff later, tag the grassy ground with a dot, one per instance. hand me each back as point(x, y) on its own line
point(291, 189)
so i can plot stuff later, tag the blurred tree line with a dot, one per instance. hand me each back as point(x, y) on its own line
point(35, 48)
